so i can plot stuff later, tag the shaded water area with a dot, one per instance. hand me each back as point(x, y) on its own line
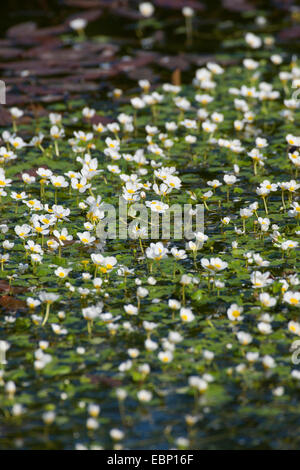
point(41, 63)
point(47, 68)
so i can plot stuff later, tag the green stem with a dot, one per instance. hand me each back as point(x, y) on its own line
point(46, 315)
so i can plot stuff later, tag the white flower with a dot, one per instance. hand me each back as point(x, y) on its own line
point(86, 238)
point(260, 280)
point(244, 338)
point(151, 281)
point(97, 282)
point(48, 297)
point(107, 263)
point(208, 126)
point(261, 143)
point(214, 183)
point(142, 292)
point(264, 223)
point(146, 9)
point(294, 327)
point(292, 298)
point(264, 328)
point(58, 330)
point(246, 213)
point(49, 417)
point(90, 313)
point(61, 272)
point(201, 238)
point(178, 254)
point(175, 337)
point(156, 251)
point(288, 245)
point(217, 117)
point(137, 103)
point(213, 265)
point(197, 382)
point(188, 11)
point(186, 315)
point(259, 261)
point(215, 68)
point(225, 220)
point(121, 394)
point(16, 112)
point(22, 230)
point(116, 434)
point(43, 345)
point(150, 345)
point(268, 362)
point(133, 353)
point(131, 309)
point(174, 304)
point(17, 142)
point(252, 356)
point(234, 313)
point(144, 395)
point(125, 366)
point(253, 41)
point(41, 360)
point(17, 409)
point(186, 280)
point(208, 355)
point(230, 179)
point(78, 24)
point(92, 424)
point(165, 356)
point(157, 206)
point(56, 132)
point(149, 326)
point(295, 374)
point(93, 410)
point(250, 64)
point(266, 300)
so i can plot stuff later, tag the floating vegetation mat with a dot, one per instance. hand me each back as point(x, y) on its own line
point(114, 336)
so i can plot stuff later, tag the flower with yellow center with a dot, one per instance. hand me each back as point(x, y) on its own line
point(292, 298)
